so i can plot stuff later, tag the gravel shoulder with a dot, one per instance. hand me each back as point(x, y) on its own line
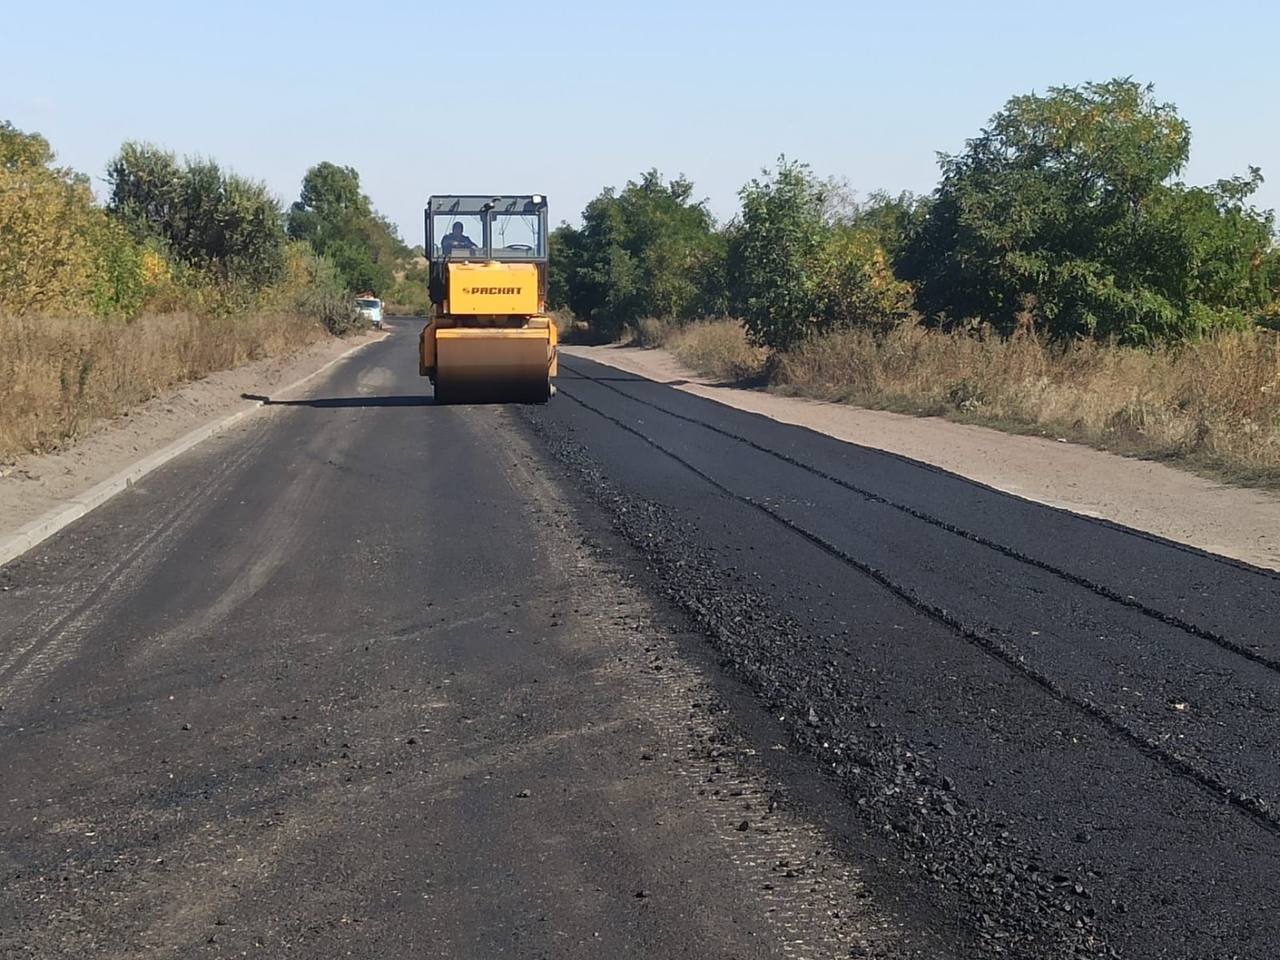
point(1233, 522)
point(33, 485)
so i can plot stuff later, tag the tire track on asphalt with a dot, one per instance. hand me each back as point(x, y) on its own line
point(1256, 810)
point(50, 642)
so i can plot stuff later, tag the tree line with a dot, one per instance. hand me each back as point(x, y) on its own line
point(1066, 216)
point(183, 234)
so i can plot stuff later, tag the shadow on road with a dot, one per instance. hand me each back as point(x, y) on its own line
point(332, 402)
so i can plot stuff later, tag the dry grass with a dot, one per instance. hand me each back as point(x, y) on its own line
point(1213, 406)
point(717, 348)
point(59, 375)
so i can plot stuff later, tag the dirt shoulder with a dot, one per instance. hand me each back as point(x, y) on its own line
point(33, 485)
point(1234, 522)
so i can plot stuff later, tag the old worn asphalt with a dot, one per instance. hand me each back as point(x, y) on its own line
point(630, 674)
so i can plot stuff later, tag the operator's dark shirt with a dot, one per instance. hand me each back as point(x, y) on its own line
point(452, 241)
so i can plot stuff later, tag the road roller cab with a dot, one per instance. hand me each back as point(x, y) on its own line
point(489, 338)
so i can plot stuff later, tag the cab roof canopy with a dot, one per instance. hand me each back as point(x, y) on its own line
point(475, 204)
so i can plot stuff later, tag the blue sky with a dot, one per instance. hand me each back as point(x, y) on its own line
point(566, 97)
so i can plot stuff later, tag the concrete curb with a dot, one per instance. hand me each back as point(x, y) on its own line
point(40, 529)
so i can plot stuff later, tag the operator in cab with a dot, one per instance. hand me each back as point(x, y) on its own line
point(456, 240)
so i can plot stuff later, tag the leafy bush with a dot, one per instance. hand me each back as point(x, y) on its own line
point(640, 252)
point(1065, 203)
point(220, 223)
point(58, 250)
point(801, 267)
point(338, 220)
point(312, 287)
point(408, 298)
point(175, 238)
point(854, 283)
point(792, 265)
point(119, 279)
point(774, 257)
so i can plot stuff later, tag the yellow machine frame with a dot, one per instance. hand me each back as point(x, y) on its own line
point(489, 337)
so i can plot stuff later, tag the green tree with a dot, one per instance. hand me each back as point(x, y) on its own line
point(602, 277)
point(59, 252)
point(218, 222)
point(1065, 212)
point(19, 149)
point(640, 252)
point(1270, 315)
point(1214, 252)
point(339, 221)
point(807, 257)
point(329, 207)
point(312, 287)
point(774, 255)
point(563, 257)
point(891, 219)
point(854, 282)
point(355, 265)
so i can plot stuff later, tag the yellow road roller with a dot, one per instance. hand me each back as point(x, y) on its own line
point(489, 338)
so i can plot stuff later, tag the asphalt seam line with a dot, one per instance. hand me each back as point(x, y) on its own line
point(42, 528)
point(1263, 567)
point(1255, 808)
point(1096, 587)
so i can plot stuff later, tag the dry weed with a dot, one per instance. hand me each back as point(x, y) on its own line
point(59, 375)
point(717, 348)
point(1213, 405)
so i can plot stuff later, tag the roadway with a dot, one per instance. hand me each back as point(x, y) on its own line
point(628, 674)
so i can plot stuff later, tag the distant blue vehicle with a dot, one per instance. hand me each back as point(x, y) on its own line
point(371, 309)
